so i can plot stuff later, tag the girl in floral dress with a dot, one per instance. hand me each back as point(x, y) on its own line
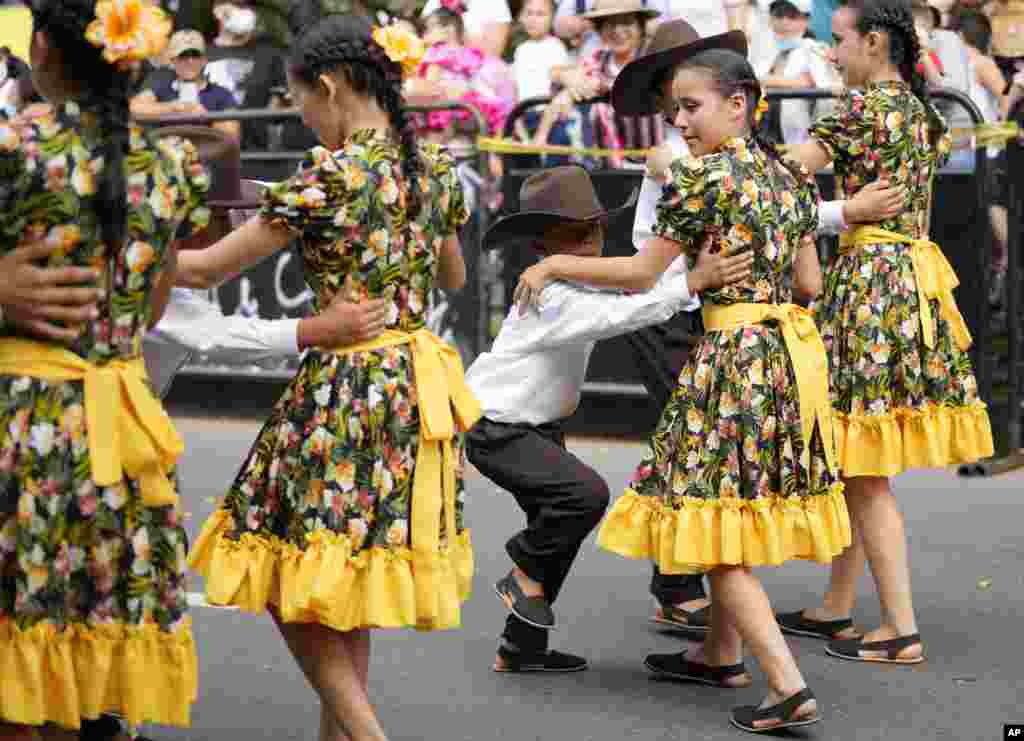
point(741, 470)
point(347, 513)
point(92, 553)
point(903, 389)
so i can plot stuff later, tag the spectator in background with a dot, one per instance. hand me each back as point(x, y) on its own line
point(986, 80)
point(540, 53)
point(247, 65)
point(487, 23)
point(13, 71)
point(571, 119)
point(189, 91)
point(798, 62)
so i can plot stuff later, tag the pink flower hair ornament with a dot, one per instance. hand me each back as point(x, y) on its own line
point(458, 7)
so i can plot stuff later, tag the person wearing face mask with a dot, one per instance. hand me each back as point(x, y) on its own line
point(797, 62)
point(245, 62)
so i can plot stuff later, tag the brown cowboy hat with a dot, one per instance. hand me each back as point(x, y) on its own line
point(221, 155)
point(558, 195)
point(608, 8)
point(672, 43)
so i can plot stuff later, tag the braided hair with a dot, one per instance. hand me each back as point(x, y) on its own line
point(100, 87)
point(343, 44)
point(731, 73)
point(896, 19)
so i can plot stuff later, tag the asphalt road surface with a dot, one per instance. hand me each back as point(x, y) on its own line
point(967, 539)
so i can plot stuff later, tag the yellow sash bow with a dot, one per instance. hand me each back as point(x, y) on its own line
point(807, 352)
point(441, 388)
point(128, 430)
point(934, 275)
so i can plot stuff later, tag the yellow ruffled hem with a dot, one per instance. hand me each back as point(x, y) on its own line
point(936, 436)
point(704, 533)
point(140, 672)
point(324, 583)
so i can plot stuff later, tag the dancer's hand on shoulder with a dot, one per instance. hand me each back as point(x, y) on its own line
point(47, 302)
point(343, 323)
point(715, 269)
point(876, 201)
point(531, 284)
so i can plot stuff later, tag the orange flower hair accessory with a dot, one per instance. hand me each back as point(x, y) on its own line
point(129, 30)
point(401, 46)
point(762, 108)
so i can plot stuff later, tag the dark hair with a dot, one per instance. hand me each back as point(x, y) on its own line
point(975, 29)
point(102, 88)
point(450, 19)
point(731, 73)
point(343, 44)
point(895, 18)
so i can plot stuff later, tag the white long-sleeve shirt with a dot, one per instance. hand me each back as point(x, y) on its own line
point(535, 370)
point(194, 321)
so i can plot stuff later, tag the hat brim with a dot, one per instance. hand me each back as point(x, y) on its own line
point(525, 227)
point(632, 91)
point(250, 197)
point(595, 14)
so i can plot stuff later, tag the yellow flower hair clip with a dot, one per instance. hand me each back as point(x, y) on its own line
point(762, 108)
point(129, 30)
point(401, 46)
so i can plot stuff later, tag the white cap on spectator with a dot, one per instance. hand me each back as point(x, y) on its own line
point(607, 8)
point(803, 6)
point(183, 41)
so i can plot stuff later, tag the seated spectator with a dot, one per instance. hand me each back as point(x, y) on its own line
point(574, 121)
point(540, 53)
point(987, 83)
point(13, 71)
point(487, 23)
point(798, 62)
point(453, 70)
point(189, 91)
point(247, 64)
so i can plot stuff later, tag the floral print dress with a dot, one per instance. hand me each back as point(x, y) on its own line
point(92, 590)
point(730, 477)
point(899, 403)
point(317, 524)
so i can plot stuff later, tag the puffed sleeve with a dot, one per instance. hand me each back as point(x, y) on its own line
point(193, 214)
point(452, 202)
point(692, 202)
point(844, 132)
point(329, 193)
point(944, 143)
point(808, 199)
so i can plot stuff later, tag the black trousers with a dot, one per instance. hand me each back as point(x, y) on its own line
point(562, 497)
point(661, 352)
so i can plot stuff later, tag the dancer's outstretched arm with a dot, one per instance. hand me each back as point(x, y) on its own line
point(255, 240)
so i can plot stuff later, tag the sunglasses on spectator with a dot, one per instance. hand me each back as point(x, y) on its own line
point(617, 21)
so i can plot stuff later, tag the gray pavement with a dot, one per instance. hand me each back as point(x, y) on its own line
point(967, 540)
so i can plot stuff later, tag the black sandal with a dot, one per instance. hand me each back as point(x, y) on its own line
point(549, 662)
point(851, 649)
point(533, 611)
point(745, 717)
point(677, 617)
point(677, 666)
point(796, 624)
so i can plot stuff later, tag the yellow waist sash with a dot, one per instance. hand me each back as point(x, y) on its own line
point(129, 432)
point(440, 388)
point(934, 275)
point(807, 351)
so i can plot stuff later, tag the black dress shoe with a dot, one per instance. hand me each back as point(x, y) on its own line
point(551, 662)
point(533, 611)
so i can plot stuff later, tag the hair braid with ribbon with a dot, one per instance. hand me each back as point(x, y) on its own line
point(345, 44)
point(896, 20)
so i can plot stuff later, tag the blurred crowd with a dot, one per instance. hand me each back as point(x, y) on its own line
point(566, 53)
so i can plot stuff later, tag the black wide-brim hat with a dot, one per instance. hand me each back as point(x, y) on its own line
point(558, 195)
point(673, 43)
point(220, 154)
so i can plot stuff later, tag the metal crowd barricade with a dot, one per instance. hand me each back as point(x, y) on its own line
point(467, 303)
point(974, 266)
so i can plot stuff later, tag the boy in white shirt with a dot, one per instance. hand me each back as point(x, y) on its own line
point(531, 381)
point(535, 57)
